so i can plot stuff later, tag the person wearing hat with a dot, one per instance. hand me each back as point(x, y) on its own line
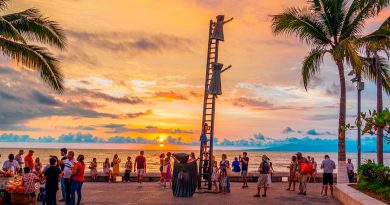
point(28, 160)
point(262, 180)
point(19, 159)
point(302, 177)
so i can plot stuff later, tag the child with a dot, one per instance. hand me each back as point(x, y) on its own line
point(214, 176)
point(203, 138)
point(128, 168)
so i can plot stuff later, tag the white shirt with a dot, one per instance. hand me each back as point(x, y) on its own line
point(68, 164)
point(350, 167)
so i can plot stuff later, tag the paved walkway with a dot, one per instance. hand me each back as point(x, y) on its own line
point(151, 193)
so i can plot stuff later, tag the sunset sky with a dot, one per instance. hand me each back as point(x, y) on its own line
point(136, 69)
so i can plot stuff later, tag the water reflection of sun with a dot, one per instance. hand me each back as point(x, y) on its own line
point(162, 145)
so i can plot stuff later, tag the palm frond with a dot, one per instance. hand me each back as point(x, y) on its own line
point(37, 58)
point(347, 50)
point(301, 23)
point(3, 4)
point(379, 39)
point(36, 27)
point(370, 72)
point(361, 10)
point(311, 65)
point(8, 31)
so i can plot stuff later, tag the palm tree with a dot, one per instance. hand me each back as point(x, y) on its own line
point(330, 26)
point(17, 29)
point(377, 70)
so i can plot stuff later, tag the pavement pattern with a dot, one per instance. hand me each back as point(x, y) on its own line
point(153, 193)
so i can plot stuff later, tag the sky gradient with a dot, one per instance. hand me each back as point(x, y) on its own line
point(136, 69)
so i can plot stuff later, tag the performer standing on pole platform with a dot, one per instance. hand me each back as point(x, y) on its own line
point(215, 87)
point(218, 29)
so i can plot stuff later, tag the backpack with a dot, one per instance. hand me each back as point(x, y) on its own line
point(306, 168)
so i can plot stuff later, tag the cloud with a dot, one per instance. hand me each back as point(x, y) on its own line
point(139, 114)
point(315, 133)
point(169, 96)
point(21, 102)
point(334, 89)
point(133, 43)
point(288, 130)
point(44, 99)
point(99, 95)
point(321, 117)
point(122, 128)
point(256, 104)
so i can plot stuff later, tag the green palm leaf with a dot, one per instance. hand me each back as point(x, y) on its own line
point(35, 27)
point(37, 58)
point(311, 65)
point(301, 23)
point(370, 72)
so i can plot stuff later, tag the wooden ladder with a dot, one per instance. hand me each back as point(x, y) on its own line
point(208, 114)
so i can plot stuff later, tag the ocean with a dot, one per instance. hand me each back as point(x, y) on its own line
point(280, 160)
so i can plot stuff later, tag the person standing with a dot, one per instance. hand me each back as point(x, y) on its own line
point(263, 177)
point(29, 181)
point(314, 172)
point(302, 176)
point(115, 166)
point(28, 159)
point(93, 169)
point(128, 168)
point(19, 159)
point(293, 173)
point(328, 165)
point(68, 165)
point(140, 164)
point(350, 171)
point(52, 174)
point(38, 166)
point(162, 158)
point(167, 170)
point(107, 169)
point(224, 166)
point(64, 156)
point(244, 168)
point(77, 180)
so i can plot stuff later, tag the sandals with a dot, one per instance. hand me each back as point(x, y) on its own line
point(256, 195)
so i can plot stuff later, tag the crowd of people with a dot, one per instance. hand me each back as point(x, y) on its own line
point(68, 171)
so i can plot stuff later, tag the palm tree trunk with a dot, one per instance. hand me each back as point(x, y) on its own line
point(341, 168)
point(379, 108)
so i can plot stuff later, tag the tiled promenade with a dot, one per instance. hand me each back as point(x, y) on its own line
point(151, 193)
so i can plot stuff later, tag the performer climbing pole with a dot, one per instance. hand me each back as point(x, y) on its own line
point(212, 89)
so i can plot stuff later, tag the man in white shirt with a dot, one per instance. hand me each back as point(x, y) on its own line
point(68, 164)
point(350, 170)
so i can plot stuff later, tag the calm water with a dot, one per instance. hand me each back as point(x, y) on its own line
point(280, 160)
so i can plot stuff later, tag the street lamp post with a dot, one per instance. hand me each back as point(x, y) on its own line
point(360, 87)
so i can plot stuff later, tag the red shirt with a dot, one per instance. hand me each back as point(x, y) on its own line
point(79, 175)
point(28, 160)
point(140, 162)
